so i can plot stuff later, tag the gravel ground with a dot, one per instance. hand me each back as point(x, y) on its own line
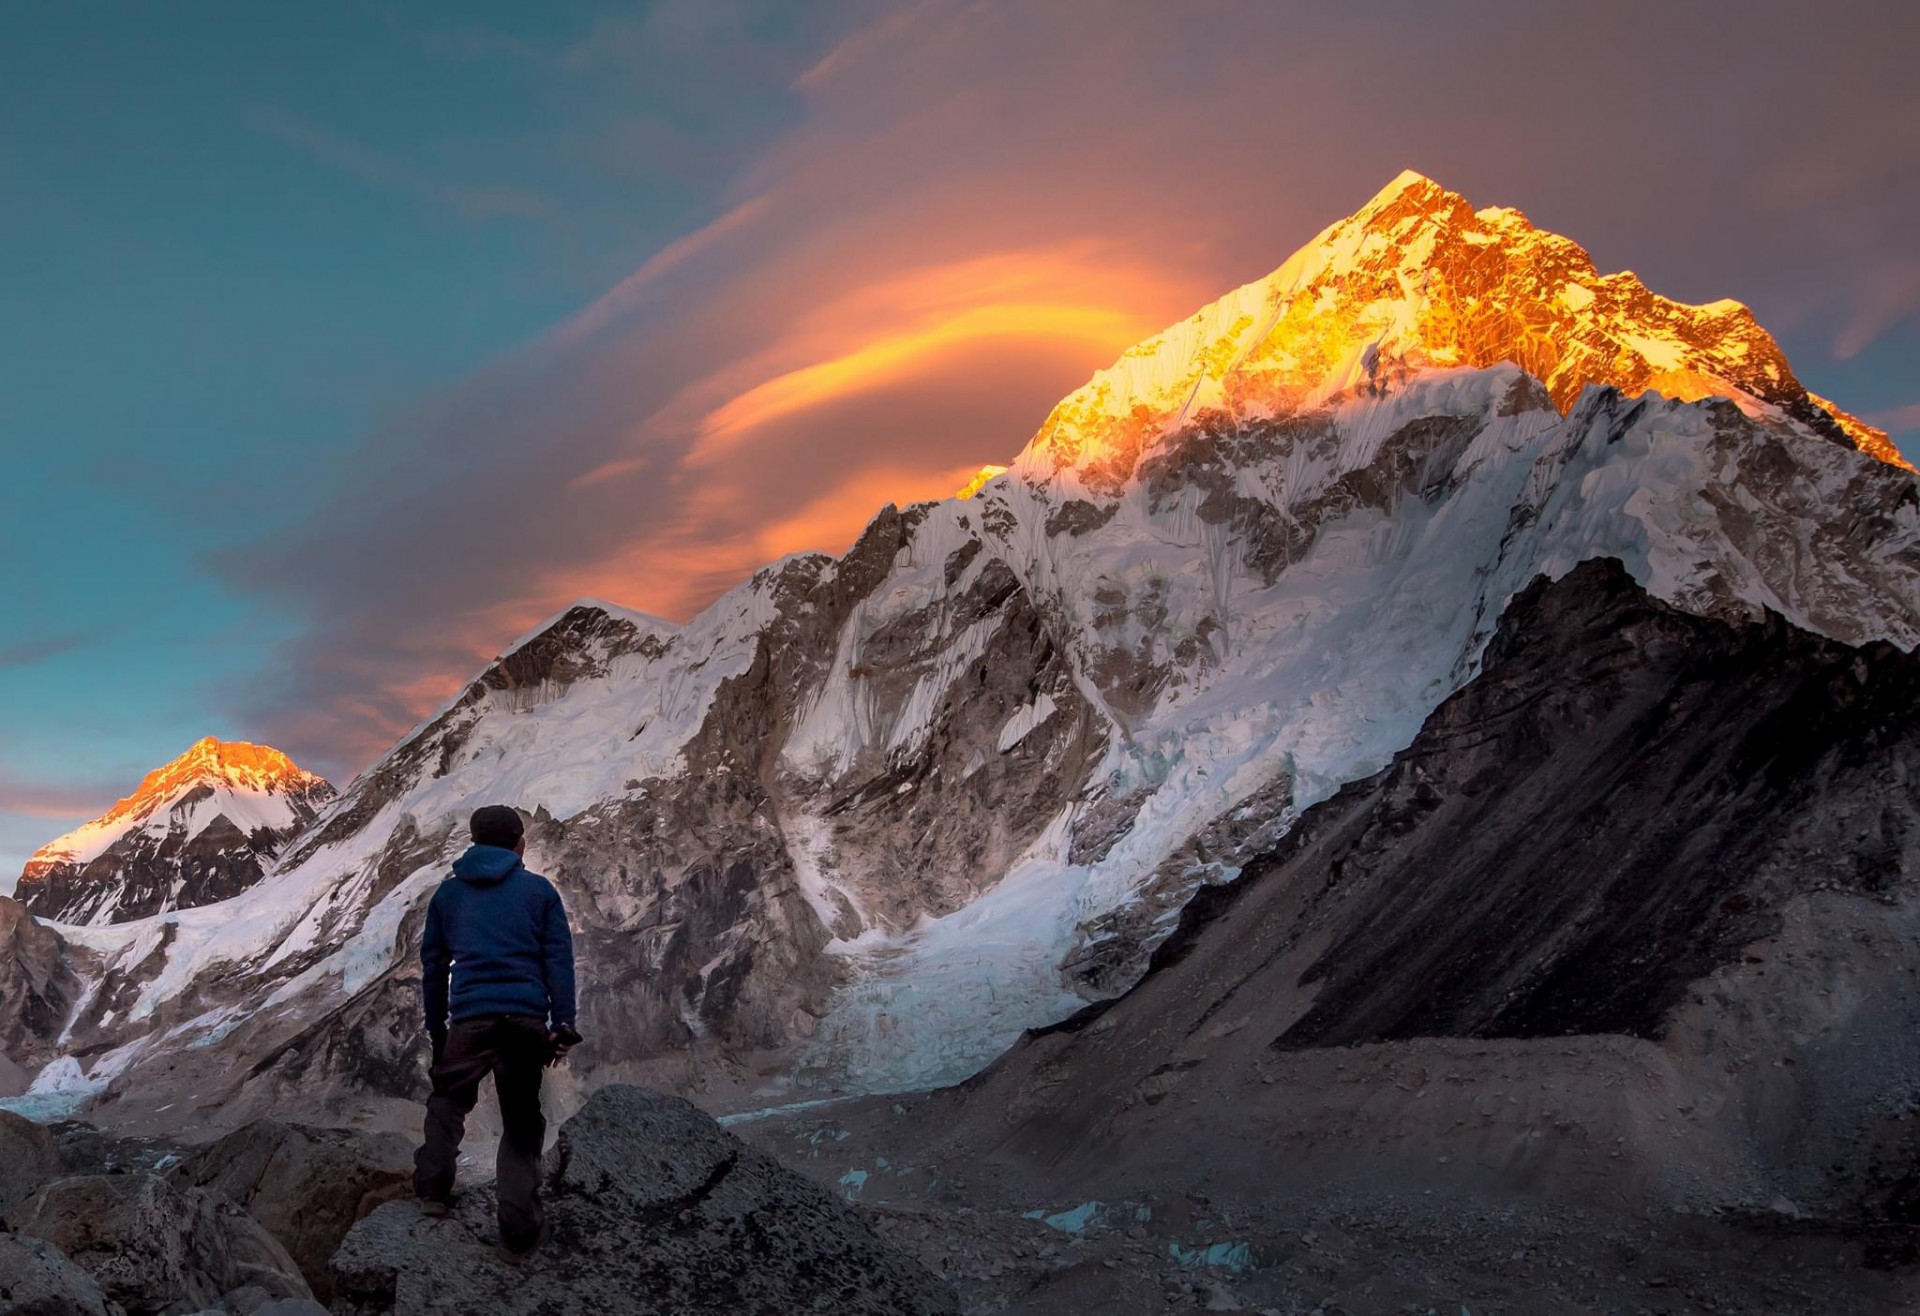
point(992, 1228)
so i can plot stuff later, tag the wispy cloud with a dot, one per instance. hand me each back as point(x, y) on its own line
point(387, 170)
point(31, 653)
point(64, 801)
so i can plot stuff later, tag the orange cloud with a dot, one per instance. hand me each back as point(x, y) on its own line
point(880, 331)
point(887, 357)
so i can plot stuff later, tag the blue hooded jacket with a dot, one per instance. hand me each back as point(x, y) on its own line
point(502, 933)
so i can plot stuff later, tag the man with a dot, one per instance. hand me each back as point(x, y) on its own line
point(503, 934)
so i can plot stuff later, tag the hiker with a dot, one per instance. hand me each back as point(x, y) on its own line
point(501, 934)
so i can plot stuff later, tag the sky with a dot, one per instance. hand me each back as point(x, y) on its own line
point(340, 344)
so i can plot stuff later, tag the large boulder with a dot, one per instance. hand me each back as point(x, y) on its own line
point(29, 1157)
point(88, 1149)
point(306, 1185)
point(153, 1247)
point(36, 1280)
point(656, 1209)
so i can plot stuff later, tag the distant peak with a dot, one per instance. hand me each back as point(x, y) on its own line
point(235, 762)
point(258, 780)
point(212, 752)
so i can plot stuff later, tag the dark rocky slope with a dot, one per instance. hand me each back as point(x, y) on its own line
point(1633, 915)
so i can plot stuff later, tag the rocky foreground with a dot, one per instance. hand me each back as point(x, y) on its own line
point(875, 1206)
point(655, 1209)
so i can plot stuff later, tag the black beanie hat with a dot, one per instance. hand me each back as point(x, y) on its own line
point(496, 824)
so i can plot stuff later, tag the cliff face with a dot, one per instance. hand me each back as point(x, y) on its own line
point(38, 987)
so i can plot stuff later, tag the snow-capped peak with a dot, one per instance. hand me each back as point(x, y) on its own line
point(217, 797)
point(1407, 180)
point(235, 765)
point(1418, 279)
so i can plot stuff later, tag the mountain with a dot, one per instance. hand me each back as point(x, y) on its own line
point(1418, 280)
point(866, 819)
point(201, 829)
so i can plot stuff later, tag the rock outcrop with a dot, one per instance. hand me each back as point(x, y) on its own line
point(36, 1279)
point(656, 1211)
point(154, 1248)
point(29, 1157)
point(307, 1186)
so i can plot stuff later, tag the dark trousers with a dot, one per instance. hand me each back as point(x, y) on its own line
point(514, 1049)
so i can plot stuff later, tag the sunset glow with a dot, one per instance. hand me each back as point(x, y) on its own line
point(877, 362)
point(696, 289)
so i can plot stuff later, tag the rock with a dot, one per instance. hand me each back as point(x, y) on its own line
point(306, 1185)
point(150, 1245)
point(87, 1149)
point(29, 1157)
point(13, 1079)
point(37, 986)
point(1218, 1297)
point(655, 1209)
point(36, 1280)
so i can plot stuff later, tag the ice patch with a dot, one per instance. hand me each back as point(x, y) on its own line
point(58, 1092)
point(1096, 1215)
point(1236, 1257)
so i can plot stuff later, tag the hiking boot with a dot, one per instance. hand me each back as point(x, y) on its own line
point(514, 1255)
point(434, 1208)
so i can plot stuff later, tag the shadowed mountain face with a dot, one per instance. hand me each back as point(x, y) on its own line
point(1648, 875)
point(201, 829)
point(1622, 803)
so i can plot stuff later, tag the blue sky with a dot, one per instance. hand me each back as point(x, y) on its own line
point(324, 323)
point(238, 236)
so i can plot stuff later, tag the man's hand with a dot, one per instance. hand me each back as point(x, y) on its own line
point(561, 1040)
point(438, 1038)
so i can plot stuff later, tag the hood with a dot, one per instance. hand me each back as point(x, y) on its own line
point(483, 865)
